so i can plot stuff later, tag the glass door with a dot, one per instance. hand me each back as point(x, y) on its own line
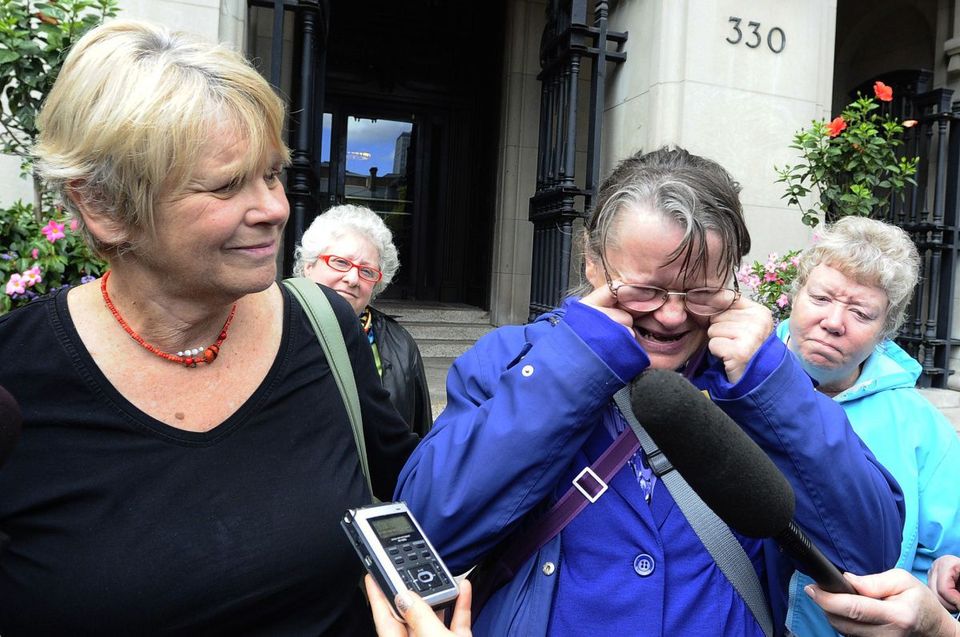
point(371, 162)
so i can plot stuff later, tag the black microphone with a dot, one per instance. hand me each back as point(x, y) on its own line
point(10, 424)
point(730, 473)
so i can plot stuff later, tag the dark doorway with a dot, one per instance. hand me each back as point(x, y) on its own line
point(410, 129)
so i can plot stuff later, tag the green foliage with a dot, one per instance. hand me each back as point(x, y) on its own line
point(850, 163)
point(66, 260)
point(34, 37)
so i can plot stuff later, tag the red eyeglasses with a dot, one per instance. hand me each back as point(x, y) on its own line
point(342, 264)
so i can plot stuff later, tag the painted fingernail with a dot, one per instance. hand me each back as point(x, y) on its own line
point(403, 602)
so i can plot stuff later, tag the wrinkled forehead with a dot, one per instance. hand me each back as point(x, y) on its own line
point(853, 272)
point(693, 254)
point(228, 145)
point(837, 277)
point(351, 243)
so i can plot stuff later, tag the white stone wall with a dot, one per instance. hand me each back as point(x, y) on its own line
point(197, 16)
point(685, 83)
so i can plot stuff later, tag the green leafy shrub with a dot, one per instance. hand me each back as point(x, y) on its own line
point(39, 247)
point(850, 163)
point(40, 256)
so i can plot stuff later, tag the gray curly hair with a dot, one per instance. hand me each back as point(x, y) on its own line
point(872, 253)
point(336, 223)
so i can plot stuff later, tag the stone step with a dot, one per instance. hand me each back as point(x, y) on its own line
point(446, 331)
point(405, 313)
point(443, 348)
point(947, 401)
point(443, 331)
point(941, 398)
point(436, 367)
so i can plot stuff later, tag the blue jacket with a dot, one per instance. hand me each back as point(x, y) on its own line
point(920, 448)
point(529, 406)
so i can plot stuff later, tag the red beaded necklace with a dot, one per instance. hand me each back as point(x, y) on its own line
point(188, 358)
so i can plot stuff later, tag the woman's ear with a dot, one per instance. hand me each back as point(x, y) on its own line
point(106, 230)
point(594, 272)
point(591, 268)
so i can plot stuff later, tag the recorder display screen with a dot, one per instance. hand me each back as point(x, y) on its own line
point(392, 526)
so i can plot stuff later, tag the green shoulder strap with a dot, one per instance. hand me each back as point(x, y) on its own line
point(325, 324)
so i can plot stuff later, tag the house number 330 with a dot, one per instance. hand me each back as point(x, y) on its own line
point(776, 39)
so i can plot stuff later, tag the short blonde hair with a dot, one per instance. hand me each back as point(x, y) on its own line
point(871, 253)
point(130, 113)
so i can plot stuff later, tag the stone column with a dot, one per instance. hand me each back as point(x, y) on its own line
point(951, 46)
point(728, 79)
point(233, 22)
point(517, 162)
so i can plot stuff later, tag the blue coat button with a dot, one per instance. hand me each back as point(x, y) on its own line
point(644, 565)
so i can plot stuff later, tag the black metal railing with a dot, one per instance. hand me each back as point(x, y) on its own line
point(929, 213)
point(568, 39)
point(310, 28)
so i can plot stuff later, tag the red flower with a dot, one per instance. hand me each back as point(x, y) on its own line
point(883, 92)
point(836, 127)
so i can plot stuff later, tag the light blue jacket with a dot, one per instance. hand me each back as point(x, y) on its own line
point(529, 406)
point(912, 439)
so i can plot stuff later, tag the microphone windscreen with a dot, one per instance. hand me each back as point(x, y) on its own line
point(730, 473)
point(10, 423)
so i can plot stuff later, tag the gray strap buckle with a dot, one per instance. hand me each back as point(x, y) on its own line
point(659, 463)
point(583, 489)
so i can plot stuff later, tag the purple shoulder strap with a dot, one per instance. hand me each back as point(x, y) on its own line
point(587, 487)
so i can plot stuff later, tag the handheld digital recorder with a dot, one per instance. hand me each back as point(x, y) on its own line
point(397, 553)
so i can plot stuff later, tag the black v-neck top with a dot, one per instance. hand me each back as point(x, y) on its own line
point(112, 522)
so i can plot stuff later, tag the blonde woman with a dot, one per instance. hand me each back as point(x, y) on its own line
point(186, 456)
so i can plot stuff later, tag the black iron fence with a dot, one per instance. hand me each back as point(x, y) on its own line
point(310, 27)
point(569, 39)
point(929, 214)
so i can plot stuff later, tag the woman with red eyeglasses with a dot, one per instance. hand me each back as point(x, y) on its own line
point(350, 250)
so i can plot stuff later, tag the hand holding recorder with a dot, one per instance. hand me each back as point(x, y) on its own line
point(420, 619)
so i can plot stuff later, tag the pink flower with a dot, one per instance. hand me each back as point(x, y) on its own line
point(53, 231)
point(15, 285)
point(35, 253)
point(770, 276)
point(74, 224)
point(783, 301)
point(31, 277)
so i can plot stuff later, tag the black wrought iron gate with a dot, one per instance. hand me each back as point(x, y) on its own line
point(568, 39)
point(311, 24)
point(929, 214)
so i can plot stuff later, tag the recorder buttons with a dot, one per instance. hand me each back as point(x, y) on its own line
point(426, 577)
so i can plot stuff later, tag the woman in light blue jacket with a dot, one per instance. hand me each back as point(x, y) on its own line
point(851, 294)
